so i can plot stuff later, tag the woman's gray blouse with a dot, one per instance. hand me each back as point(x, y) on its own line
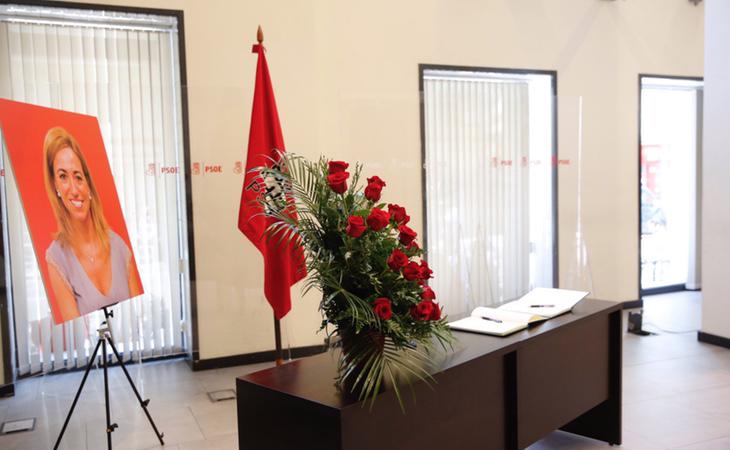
point(88, 297)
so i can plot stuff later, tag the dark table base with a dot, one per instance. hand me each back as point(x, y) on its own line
point(491, 393)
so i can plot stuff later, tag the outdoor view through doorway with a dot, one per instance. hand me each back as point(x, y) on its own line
point(671, 135)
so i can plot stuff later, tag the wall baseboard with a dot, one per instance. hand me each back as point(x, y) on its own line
point(664, 289)
point(253, 358)
point(7, 390)
point(630, 304)
point(713, 339)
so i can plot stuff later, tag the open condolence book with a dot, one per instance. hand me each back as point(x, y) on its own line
point(538, 305)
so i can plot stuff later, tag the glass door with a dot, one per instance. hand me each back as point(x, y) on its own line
point(671, 115)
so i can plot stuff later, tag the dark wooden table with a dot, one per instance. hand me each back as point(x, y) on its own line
point(491, 393)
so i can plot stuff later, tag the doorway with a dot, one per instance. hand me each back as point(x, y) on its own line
point(126, 67)
point(489, 139)
point(670, 139)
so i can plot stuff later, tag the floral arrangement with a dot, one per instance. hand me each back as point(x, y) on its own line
point(363, 256)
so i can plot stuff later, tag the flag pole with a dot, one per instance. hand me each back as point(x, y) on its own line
point(277, 322)
point(277, 338)
point(260, 35)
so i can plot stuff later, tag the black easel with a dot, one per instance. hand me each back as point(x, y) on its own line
point(105, 336)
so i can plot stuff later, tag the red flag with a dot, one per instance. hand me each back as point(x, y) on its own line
point(283, 263)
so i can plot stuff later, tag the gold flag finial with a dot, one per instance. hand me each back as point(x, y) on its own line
point(260, 35)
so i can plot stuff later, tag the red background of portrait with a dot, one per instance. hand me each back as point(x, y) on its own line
point(24, 129)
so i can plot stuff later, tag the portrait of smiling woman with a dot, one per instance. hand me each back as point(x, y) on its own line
point(89, 265)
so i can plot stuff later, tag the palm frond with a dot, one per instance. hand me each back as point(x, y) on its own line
point(351, 272)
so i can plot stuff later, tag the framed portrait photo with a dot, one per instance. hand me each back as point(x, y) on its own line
point(72, 208)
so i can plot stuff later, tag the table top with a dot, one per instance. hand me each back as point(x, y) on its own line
point(313, 378)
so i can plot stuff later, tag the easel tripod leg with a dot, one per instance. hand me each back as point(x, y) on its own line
point(78, 394)
point(142, 403)
point(109, 426)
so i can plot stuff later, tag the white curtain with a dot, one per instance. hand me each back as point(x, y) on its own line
point(123, 69)
point(488, 186)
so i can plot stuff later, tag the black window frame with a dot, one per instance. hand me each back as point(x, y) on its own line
point(7, 319)
point(422, 68)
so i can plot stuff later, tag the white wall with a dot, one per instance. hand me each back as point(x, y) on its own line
point(715, 169)
point(346, 80)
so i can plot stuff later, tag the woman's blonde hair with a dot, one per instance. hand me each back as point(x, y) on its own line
point(56, 140)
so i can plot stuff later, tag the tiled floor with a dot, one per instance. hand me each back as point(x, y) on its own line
point(676, 395)
point(179, 405)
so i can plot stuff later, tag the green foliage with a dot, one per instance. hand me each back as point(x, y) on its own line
point(351, 272)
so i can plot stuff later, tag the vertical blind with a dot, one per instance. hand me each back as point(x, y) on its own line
point(123, 69)
point(487, 195)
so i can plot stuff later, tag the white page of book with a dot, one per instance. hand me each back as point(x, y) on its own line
point(478, 325)
point(500, 314)
point(545, 302)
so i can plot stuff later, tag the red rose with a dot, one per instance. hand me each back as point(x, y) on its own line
point(413, 246)
point(406, 235)
point(426, 271)
point(338, 181)
point(397, 259)
point(355, 226)
point(378, 219)
point(372, 192)
point(423, 310)
point(428, 293)
point(382, 308)
point(398, 213)
point(376, 180)
point(436, 313)
point(375, 185)
point(412, 271)
point(337, 166)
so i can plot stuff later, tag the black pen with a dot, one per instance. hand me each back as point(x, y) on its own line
point(542, 306)
point(490, 319)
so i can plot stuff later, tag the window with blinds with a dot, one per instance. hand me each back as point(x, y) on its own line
point(124, 69)
point(489, 172)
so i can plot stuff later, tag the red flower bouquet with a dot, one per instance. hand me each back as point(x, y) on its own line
point(367, 264)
